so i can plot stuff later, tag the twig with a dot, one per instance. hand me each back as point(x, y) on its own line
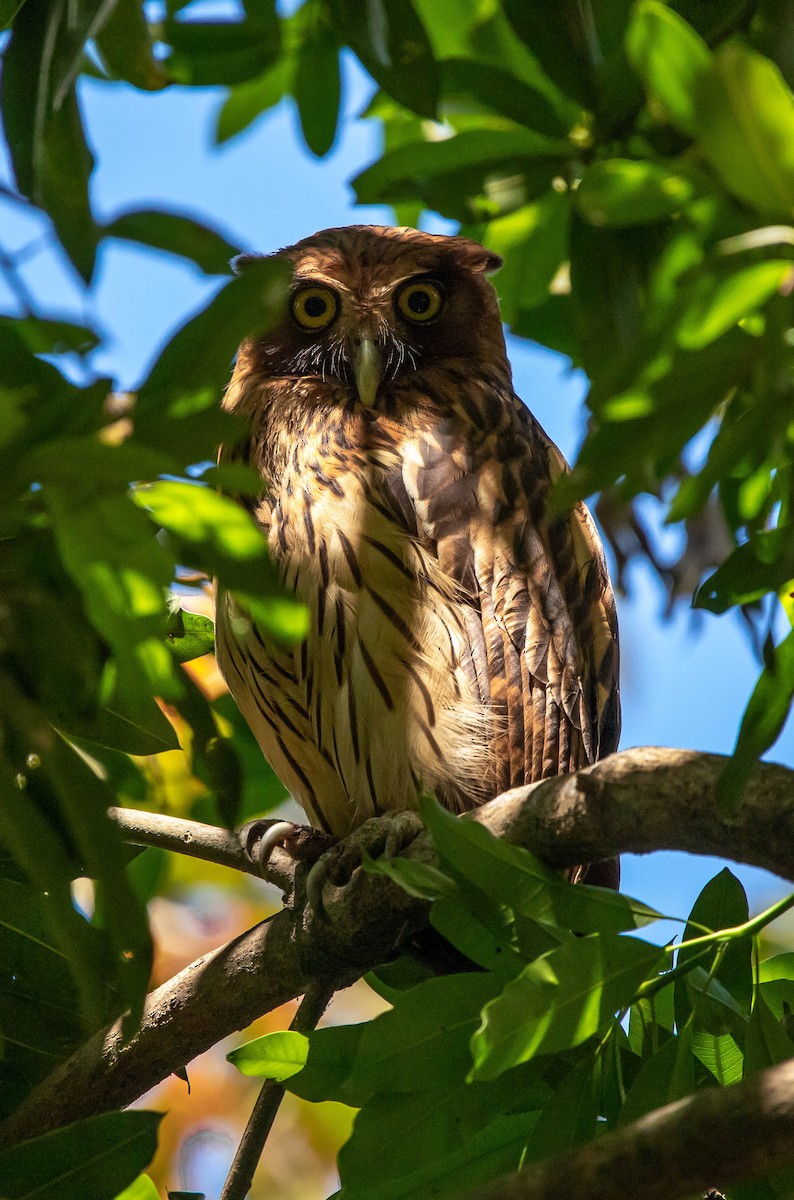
point(252, 1143)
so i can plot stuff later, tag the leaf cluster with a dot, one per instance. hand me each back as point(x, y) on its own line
point(565, 1024)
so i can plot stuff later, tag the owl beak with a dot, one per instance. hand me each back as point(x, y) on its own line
point(366, 369)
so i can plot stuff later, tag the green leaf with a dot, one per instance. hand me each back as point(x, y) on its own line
point(667, 1076)
point(418, 879)
point(760, 565)
point(511, 875)
point(620, 191)
point(450, 174)
point(141, 1189)
point(206, 53)
point(51, 159)
point(721, 904)
point(98, 1157)
point(744, 122)
point(670, 58)
point(605, 293)
point(501, 92)
point(533, 241)
point(762, 722)
point(273, 1056)
point(127, 50)
point(776, 982)
point(175, 233)
point(199, 514)
point(651, 1022)
point(190, 635)
point(424, 1040)
point(720, 301)
point(560, 1000)
point(45, 336)
point(714, 1007)
point(326, 1073)
point(767, 1041)
point(317, 85)
point(39, 1013)
point(570, 1117)
point(493, 1151)
point(247, 101)
point(720, 1055)
point(197, 361)
point(562, 47)
point(390, 40)
point(482, 930)
point(426, 1128)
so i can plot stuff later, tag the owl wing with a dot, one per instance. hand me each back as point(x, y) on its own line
point(533, 593)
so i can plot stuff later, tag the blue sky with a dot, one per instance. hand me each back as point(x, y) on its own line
point(685, 681)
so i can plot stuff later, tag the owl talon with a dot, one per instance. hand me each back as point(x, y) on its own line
point(379, 837)
point(301, 843)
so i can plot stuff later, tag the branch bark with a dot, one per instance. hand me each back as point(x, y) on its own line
point(724, 1134)
point(636, 801)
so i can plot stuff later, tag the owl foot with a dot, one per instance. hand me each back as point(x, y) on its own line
point(299, 843)
point(379, 837)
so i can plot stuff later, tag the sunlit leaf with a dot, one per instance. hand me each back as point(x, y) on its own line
point(670, 58)
point(619, 191)
point(560, 1000)
point(141, 1189)
point(744, 121)
point(720, 1055)
point(720, 301)
point(190, 635)
point(274, 1056)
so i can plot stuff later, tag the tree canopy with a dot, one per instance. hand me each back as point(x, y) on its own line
point(634, 164)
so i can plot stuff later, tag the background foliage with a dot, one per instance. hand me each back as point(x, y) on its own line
point(634, 162)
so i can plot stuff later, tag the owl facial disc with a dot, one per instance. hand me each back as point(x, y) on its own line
point(367, 370)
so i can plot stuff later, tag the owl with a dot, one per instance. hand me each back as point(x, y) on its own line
point(462, 633)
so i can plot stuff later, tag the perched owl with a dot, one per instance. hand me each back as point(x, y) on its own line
point(463, 638)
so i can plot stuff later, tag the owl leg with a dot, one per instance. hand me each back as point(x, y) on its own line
point(379, 837)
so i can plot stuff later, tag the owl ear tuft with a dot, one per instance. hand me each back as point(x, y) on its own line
point(477, 257)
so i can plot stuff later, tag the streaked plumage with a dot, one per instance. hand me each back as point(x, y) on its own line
point(463, 639)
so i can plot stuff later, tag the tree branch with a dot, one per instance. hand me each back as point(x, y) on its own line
point(638, 800)
point(721, 1135)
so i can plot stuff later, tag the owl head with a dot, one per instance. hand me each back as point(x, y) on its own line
point(371, 304)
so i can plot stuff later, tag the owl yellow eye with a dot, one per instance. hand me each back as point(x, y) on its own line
point(315, 307)
point(420, 301)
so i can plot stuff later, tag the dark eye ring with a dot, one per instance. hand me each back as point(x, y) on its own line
point(315, 306)
point(420, 301)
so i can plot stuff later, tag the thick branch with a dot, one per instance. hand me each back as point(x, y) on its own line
point(719, 1136)
point(639, 800)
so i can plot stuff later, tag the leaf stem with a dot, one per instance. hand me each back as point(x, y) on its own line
point(748, 929)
